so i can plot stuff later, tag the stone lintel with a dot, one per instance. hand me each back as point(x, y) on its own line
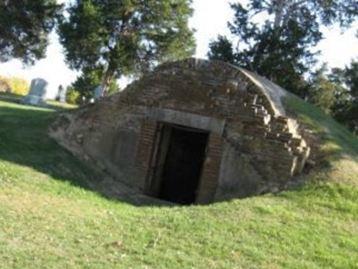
point(209, 124)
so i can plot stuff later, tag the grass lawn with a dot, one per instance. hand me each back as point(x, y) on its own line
point(50, 216)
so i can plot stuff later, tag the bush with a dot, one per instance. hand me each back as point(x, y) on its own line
point(72, 96)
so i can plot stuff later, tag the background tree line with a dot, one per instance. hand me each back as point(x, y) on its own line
point(107, 39)
point(103, 39)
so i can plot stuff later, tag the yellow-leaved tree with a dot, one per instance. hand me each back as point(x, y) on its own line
point(15, 85)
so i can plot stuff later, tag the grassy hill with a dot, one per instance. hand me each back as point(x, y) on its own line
point(51, 218)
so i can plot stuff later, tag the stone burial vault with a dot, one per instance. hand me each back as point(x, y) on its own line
point(192, 131)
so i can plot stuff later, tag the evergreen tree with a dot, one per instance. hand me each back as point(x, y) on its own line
point(24, 28)
point(222, 49)
point(125, 37)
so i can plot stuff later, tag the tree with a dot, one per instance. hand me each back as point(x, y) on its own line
point(280, 47)
point(326, 91)
point(222, 49)
point(125, 37)
point(24, 28)
point(14, 85)
point(346, 111)
point(351, 79)
point(335, 92)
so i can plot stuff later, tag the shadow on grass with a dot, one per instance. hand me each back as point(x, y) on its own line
point(10, 97)
point(24, 141)
point(50, 104)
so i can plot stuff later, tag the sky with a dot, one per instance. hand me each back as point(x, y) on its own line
point(210, 19)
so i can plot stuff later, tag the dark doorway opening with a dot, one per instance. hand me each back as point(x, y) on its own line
point(179, 161)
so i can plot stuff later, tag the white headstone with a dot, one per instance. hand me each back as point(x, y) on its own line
point(37, 92)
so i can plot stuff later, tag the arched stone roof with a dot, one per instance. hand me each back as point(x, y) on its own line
point(219, 81)
point(234, 75)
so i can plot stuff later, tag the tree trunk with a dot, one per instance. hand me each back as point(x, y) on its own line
point(106, 80)
point(279, 6)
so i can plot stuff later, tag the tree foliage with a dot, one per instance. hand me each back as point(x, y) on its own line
point(72, 96)
point(346, 107)
point(222, 49)
point(24, 28)
point(14, 85)
point(125, 37)
point(335, 92)
point(351, 79)
point(326, 92)
point(280, 47)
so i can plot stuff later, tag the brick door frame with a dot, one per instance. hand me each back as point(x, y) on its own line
point(209, 179)
point(147, 152)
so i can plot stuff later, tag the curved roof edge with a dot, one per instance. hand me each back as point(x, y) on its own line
point(273, 92)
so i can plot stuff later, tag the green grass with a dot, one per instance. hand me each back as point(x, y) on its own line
point(338, 146)
point(53, 104)
point(50, 217)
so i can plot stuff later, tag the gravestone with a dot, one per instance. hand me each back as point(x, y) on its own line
point(98, 92)
point(61, 94)
point(37, 92)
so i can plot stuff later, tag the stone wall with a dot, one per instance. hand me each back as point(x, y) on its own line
point(252, 146)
